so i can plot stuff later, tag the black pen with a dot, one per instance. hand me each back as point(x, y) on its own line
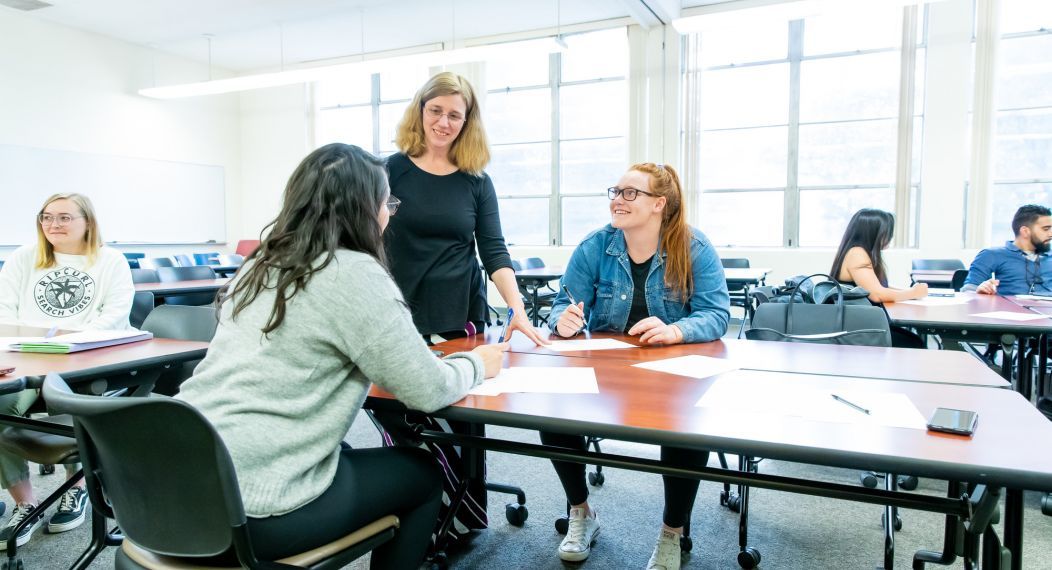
point(856, 406)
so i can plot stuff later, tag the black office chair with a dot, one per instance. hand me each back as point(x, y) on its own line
point(196, 272)
point(142, 304)
point(182, 322)
point(738, 296)
point(958, 279)
point(545, 298)
point(142, 275)
point(159, 468)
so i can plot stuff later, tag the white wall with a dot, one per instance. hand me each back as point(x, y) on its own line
point(66, 89)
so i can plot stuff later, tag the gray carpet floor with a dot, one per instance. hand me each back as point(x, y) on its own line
point(791, 531)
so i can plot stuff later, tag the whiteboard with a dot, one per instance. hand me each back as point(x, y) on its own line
point(137, 200)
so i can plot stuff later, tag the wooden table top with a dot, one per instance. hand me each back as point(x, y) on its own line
point(1009, 446)
point(937, 366)
point(960, 316)
point(183, 287)
point(96, 362)
point(541, 273)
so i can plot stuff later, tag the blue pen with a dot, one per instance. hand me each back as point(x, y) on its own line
point(511, 313)
point(51, 332)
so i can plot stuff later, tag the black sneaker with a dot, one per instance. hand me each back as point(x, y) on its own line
point(20, 513)
point(71, 511)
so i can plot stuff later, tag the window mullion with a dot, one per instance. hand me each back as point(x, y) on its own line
point(555, 202)
point(904, 161)
point(791, 211)
point(374, 102)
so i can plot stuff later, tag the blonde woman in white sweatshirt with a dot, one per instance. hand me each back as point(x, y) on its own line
point(71, 281)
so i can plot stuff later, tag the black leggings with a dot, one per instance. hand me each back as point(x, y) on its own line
point(679, 493)
point(369, 484)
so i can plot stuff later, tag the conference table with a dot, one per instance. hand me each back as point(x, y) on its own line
point(183, 287)
point(1007, 452)
point(1011, 323)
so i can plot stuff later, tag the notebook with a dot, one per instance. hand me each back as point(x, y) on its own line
point(78, 341)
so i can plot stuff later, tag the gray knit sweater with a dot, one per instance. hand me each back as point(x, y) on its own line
point(283, 404)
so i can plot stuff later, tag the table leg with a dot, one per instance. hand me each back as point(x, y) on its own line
point(1013, 527)
point(536, 309)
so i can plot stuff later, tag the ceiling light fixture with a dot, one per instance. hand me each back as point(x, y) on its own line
point(506, 50)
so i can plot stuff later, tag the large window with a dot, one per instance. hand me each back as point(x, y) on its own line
point(1022, 149)
point(558, 128)
point(800, 126)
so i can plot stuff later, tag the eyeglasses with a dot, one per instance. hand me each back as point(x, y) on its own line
point(392, 205)
point(628, 194)
point(59, 220)
point(436, 114)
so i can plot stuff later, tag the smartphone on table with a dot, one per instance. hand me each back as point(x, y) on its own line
point(949, 420)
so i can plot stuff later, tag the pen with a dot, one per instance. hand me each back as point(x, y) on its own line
point(573, 301)
point(51, 332)
point(856, 406)
point(511, 313)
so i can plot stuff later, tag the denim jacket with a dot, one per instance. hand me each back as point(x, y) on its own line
point(599, 275)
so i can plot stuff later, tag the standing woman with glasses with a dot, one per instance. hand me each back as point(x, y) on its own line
point(449, 209)
point(647, 273)
point(71, 281)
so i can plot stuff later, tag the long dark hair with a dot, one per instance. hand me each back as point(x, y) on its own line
point(870, 229)
point(330, 202)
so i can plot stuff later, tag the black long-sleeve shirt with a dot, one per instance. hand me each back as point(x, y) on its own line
point(431, 244)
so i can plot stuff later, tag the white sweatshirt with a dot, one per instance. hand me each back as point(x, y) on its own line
point(71, 295)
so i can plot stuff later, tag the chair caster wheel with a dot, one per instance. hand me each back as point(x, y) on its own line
point(562, 524)
point(749, 558)
point(516, 514)
point(46, 469)
point(868, 479)
point(596, 479)
point(723, 498)
point(907, 482)
point(1046, 505)
point(3, 508)
point(685, 544)
point(884, 521)
point(439, 562)
point(734, 503)
point(15, 564)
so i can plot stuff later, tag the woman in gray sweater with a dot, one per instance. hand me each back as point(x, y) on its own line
point(309, 323)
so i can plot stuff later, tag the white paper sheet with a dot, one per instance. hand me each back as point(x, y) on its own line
point(540, 380)
point(886, 408)
point(1010, 316)
point(694, 366)
point(588, 344)
point(937, 301)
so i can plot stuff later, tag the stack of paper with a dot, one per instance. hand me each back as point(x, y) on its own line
point(75, 342)
point(540, 380)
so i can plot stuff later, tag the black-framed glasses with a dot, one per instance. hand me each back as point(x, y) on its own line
point(436, 113)
point(59, 220)
point(628, 194)
point(392, 205)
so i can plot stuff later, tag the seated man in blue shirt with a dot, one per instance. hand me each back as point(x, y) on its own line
point(1022, 265)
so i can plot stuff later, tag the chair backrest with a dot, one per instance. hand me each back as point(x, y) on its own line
point(183, 260)
point(195, 272)
point(937, 264)
point(232, 259)
point(1, 264)
point(958, 279)
point(516, 265)
point(160, 466)
point(182, 322)
point(142, 304)
point(141, 275)
point(734, 262)
point(157, 262)
point(211, 258)
point(532, 263)
point(133, 259)
point(245, 247)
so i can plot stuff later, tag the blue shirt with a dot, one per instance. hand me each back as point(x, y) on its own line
point(1017, 274)
point(600, 276)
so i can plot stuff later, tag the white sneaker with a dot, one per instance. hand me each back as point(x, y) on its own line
point(580, 535)
point(666, 554)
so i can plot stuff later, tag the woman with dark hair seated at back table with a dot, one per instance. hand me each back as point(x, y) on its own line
point(859, 261)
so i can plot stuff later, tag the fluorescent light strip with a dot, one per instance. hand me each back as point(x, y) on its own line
point(507, 50)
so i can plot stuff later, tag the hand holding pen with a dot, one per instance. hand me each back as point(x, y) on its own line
point(518, 321)
point(571, 321)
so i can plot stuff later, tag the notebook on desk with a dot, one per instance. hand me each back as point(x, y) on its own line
point(78, 341)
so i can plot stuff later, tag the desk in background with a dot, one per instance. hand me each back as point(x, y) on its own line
point(182, 287)
point(531, 280)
